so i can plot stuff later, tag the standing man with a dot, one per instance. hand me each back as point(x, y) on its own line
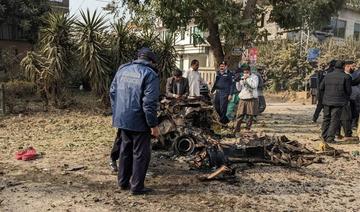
point(194, 79)
point(349, 108)
point(355, 97)
point(260, 89)
point(320, 94)
point(336, 87)
point(224, 87)
point(177, 86)
point(134, 97)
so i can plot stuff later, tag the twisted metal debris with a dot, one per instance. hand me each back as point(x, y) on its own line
point(187, 128)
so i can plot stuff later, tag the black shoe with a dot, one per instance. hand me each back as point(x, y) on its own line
point(124, 188)
point(331, 142)
point(141, 192)
point(314, 120)
point(113, 166)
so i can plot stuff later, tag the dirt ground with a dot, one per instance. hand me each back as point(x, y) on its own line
point(68, 139)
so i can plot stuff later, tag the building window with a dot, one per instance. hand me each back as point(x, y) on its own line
point(357, 31)
point(182, 34)
point(339, 27)
point(195, 35)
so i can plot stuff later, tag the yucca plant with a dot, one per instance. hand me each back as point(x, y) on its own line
point(122, 44)
point(36, 72)
point(166, 59)
point(93, 50)
point(55, 42)
point(48, 66)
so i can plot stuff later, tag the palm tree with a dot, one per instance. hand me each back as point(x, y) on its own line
point(93, 50)
point(48, 66)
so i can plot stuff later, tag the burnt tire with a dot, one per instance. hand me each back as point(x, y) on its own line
point(184, 145)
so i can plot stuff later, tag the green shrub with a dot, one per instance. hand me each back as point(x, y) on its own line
point(19, 89)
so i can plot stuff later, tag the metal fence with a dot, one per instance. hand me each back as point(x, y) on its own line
point(208, 76)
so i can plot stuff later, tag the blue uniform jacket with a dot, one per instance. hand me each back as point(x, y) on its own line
point(224, 83)
point(134, 95)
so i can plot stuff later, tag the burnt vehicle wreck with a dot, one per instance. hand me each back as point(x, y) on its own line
point(185, 125)
point(188, 128)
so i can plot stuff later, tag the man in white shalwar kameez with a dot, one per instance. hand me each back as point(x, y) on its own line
point(194, 79)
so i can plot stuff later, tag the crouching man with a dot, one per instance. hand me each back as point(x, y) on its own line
point(177, 86)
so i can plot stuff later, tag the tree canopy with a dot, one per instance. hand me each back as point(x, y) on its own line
point(24, 15)
point(235, 22)
point(291, 14)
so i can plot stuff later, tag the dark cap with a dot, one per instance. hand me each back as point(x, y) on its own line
point(349, 62)
point(340, 64)
point(223, 63)
point(148, 54)
point(245, 67)
point(332, 63)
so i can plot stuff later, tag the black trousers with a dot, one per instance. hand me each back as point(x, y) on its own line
point(346, 125)
point(331, 122)
point(319, 107)
point(354, 113)
point(134, 161)
point(345, 120)
point(115, 151)
point(221, 102)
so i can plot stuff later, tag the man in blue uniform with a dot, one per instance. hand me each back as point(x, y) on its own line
point(224, 89)
point(134, 97)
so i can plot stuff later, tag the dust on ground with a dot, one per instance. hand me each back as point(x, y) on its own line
point(68, 139)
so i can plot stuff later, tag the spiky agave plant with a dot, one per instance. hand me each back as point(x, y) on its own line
point(92, 49)
point(55, 42)
point(122, 45)
point(166, 53)
point(49, 64)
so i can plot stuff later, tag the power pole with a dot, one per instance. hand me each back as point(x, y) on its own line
point(303, 48)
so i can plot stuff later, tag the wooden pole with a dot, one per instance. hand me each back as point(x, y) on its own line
point(2, 99)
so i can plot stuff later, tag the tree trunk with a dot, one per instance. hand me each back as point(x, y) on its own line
point(214, 40)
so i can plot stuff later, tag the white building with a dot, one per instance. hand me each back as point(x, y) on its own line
point(345, 25)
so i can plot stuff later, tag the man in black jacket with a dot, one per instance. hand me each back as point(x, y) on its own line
point(320, 77)
point(336, 87)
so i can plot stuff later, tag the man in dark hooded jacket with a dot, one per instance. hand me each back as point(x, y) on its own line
point(336, 87)
point(134, 95)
